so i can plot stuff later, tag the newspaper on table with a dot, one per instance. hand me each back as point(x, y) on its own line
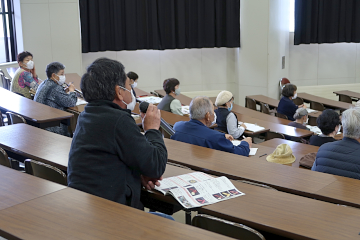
point(198, 189)
point(150, 99)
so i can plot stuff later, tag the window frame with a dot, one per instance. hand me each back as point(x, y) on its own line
point(8, 18)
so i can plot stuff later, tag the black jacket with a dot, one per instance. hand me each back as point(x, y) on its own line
point(108, 154)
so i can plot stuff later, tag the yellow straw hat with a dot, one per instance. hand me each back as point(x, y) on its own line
point(282, 154)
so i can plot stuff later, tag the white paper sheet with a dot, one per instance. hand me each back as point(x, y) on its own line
point(80, 102)
point(310, 110)
point(253, 127)
point(253, 151)
point(185, 110)
point(150, 99)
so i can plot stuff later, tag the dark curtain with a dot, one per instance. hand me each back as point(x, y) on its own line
point(115, 25)
point(327, 21)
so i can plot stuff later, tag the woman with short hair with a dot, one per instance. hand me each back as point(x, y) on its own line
point(286, 105)
point(169, 103)
point(25, 77)
point(301, 119)
point(133, 81)
point(329, 124)
point(51, 92)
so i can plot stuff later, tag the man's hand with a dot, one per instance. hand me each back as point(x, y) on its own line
point(151, 120)
point(243, 125)
point(229, 137)
point(248, 140)
point(149, 183)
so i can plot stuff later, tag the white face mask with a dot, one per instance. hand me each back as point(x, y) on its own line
point(306, 122)
point(62, 79)
point(131, 105)
point(134, 85)
point(213, 122)
point(177, 91)
point(295, 96)
point(30, 65)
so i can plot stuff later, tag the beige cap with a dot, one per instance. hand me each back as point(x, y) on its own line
point(282, 154)
point(223, 97)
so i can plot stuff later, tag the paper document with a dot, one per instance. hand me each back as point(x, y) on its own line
point(198, 189)
point(253, 127)
point(310, 110)
point(185, 110)
point(80, 102)
point(253, 151)
point(150, 99)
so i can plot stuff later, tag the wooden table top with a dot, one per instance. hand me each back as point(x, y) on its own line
point(72, 214)
point(140, 92)
point(327, 102)
point(36, 144)
point(17, 187)
point(299, 149)
point(29, 109)
point(185, 100)
point(348, 93)
point(282, 213)
point(275, 127)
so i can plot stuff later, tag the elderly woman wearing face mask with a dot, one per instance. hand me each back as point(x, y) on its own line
point(52, 93)
point(169, 103)
point(25, 77)
point(301, 119)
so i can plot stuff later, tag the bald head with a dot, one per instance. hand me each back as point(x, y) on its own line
point(199, 107)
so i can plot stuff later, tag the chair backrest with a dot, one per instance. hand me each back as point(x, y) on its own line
point(73, 121)
point(166, 127)
point(45, 171)
point(298, 101)
point(14, 118)
point(155, 94)
point(271, 135)
point(280, 115)
point(4, 159)
point(5, 81)
point(317, 106)
point(250, 103)
point(227, 228)
point(344, 98)
point(265, 108)
point(1, 120)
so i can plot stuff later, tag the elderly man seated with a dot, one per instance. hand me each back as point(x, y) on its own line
point(196, 130)
point(342, 157)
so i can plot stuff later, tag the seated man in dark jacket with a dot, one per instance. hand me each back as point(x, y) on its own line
point(109, 157)
point(342, 157)
point(197, 131)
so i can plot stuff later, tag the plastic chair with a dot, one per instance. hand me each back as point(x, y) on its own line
point(271, 135)
point(14, 118)
point(4, 80)
point(4, 159)
point(298, 101)
point(45, 171)
point(317, 106)
point(227, 228)
point(1, 120)
point(250, 103)
point(280, 115)
point(344, 98)
point(264, 108)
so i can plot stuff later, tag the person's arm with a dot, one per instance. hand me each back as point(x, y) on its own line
point(65, 99)
point(242, 149)
point(175, 107)
point(147, 153)
point(29, 80)
point(232, 126)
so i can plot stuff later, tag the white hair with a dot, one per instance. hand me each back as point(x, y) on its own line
point(199, 106)
point(351, 123)
point(300, 112)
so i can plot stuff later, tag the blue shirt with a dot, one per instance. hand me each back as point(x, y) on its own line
point(195, 132)
point(287, 107)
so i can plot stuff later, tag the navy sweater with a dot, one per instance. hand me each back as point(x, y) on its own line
point(287, 107)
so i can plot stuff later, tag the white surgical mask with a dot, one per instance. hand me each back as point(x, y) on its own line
point(30, 65)
point(307, 120)
point(62, 79)
point(177, 91)
point(134, 85)
point(213, 122)
point(339, 129)
point(131, 105)
point(295, 96)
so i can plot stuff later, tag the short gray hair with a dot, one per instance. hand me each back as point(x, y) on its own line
point(351, 123)
point(199, 106)
point(300, 112)
point(54, 67)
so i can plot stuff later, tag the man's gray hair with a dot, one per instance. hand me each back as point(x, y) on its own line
point(199, 106)
point(351, 123)
point(53, 67)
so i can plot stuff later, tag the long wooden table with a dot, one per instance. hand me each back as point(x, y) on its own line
point(328, 103)
point(355, 96)
point(36, 114)
point(283, 214)
point(185, 100)
point(33, 208)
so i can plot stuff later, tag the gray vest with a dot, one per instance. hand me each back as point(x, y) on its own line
point(165, 103)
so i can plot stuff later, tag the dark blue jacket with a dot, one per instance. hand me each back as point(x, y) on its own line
point(287, 107)
point(340, 158)
point(221, 115)
point(195, 132)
